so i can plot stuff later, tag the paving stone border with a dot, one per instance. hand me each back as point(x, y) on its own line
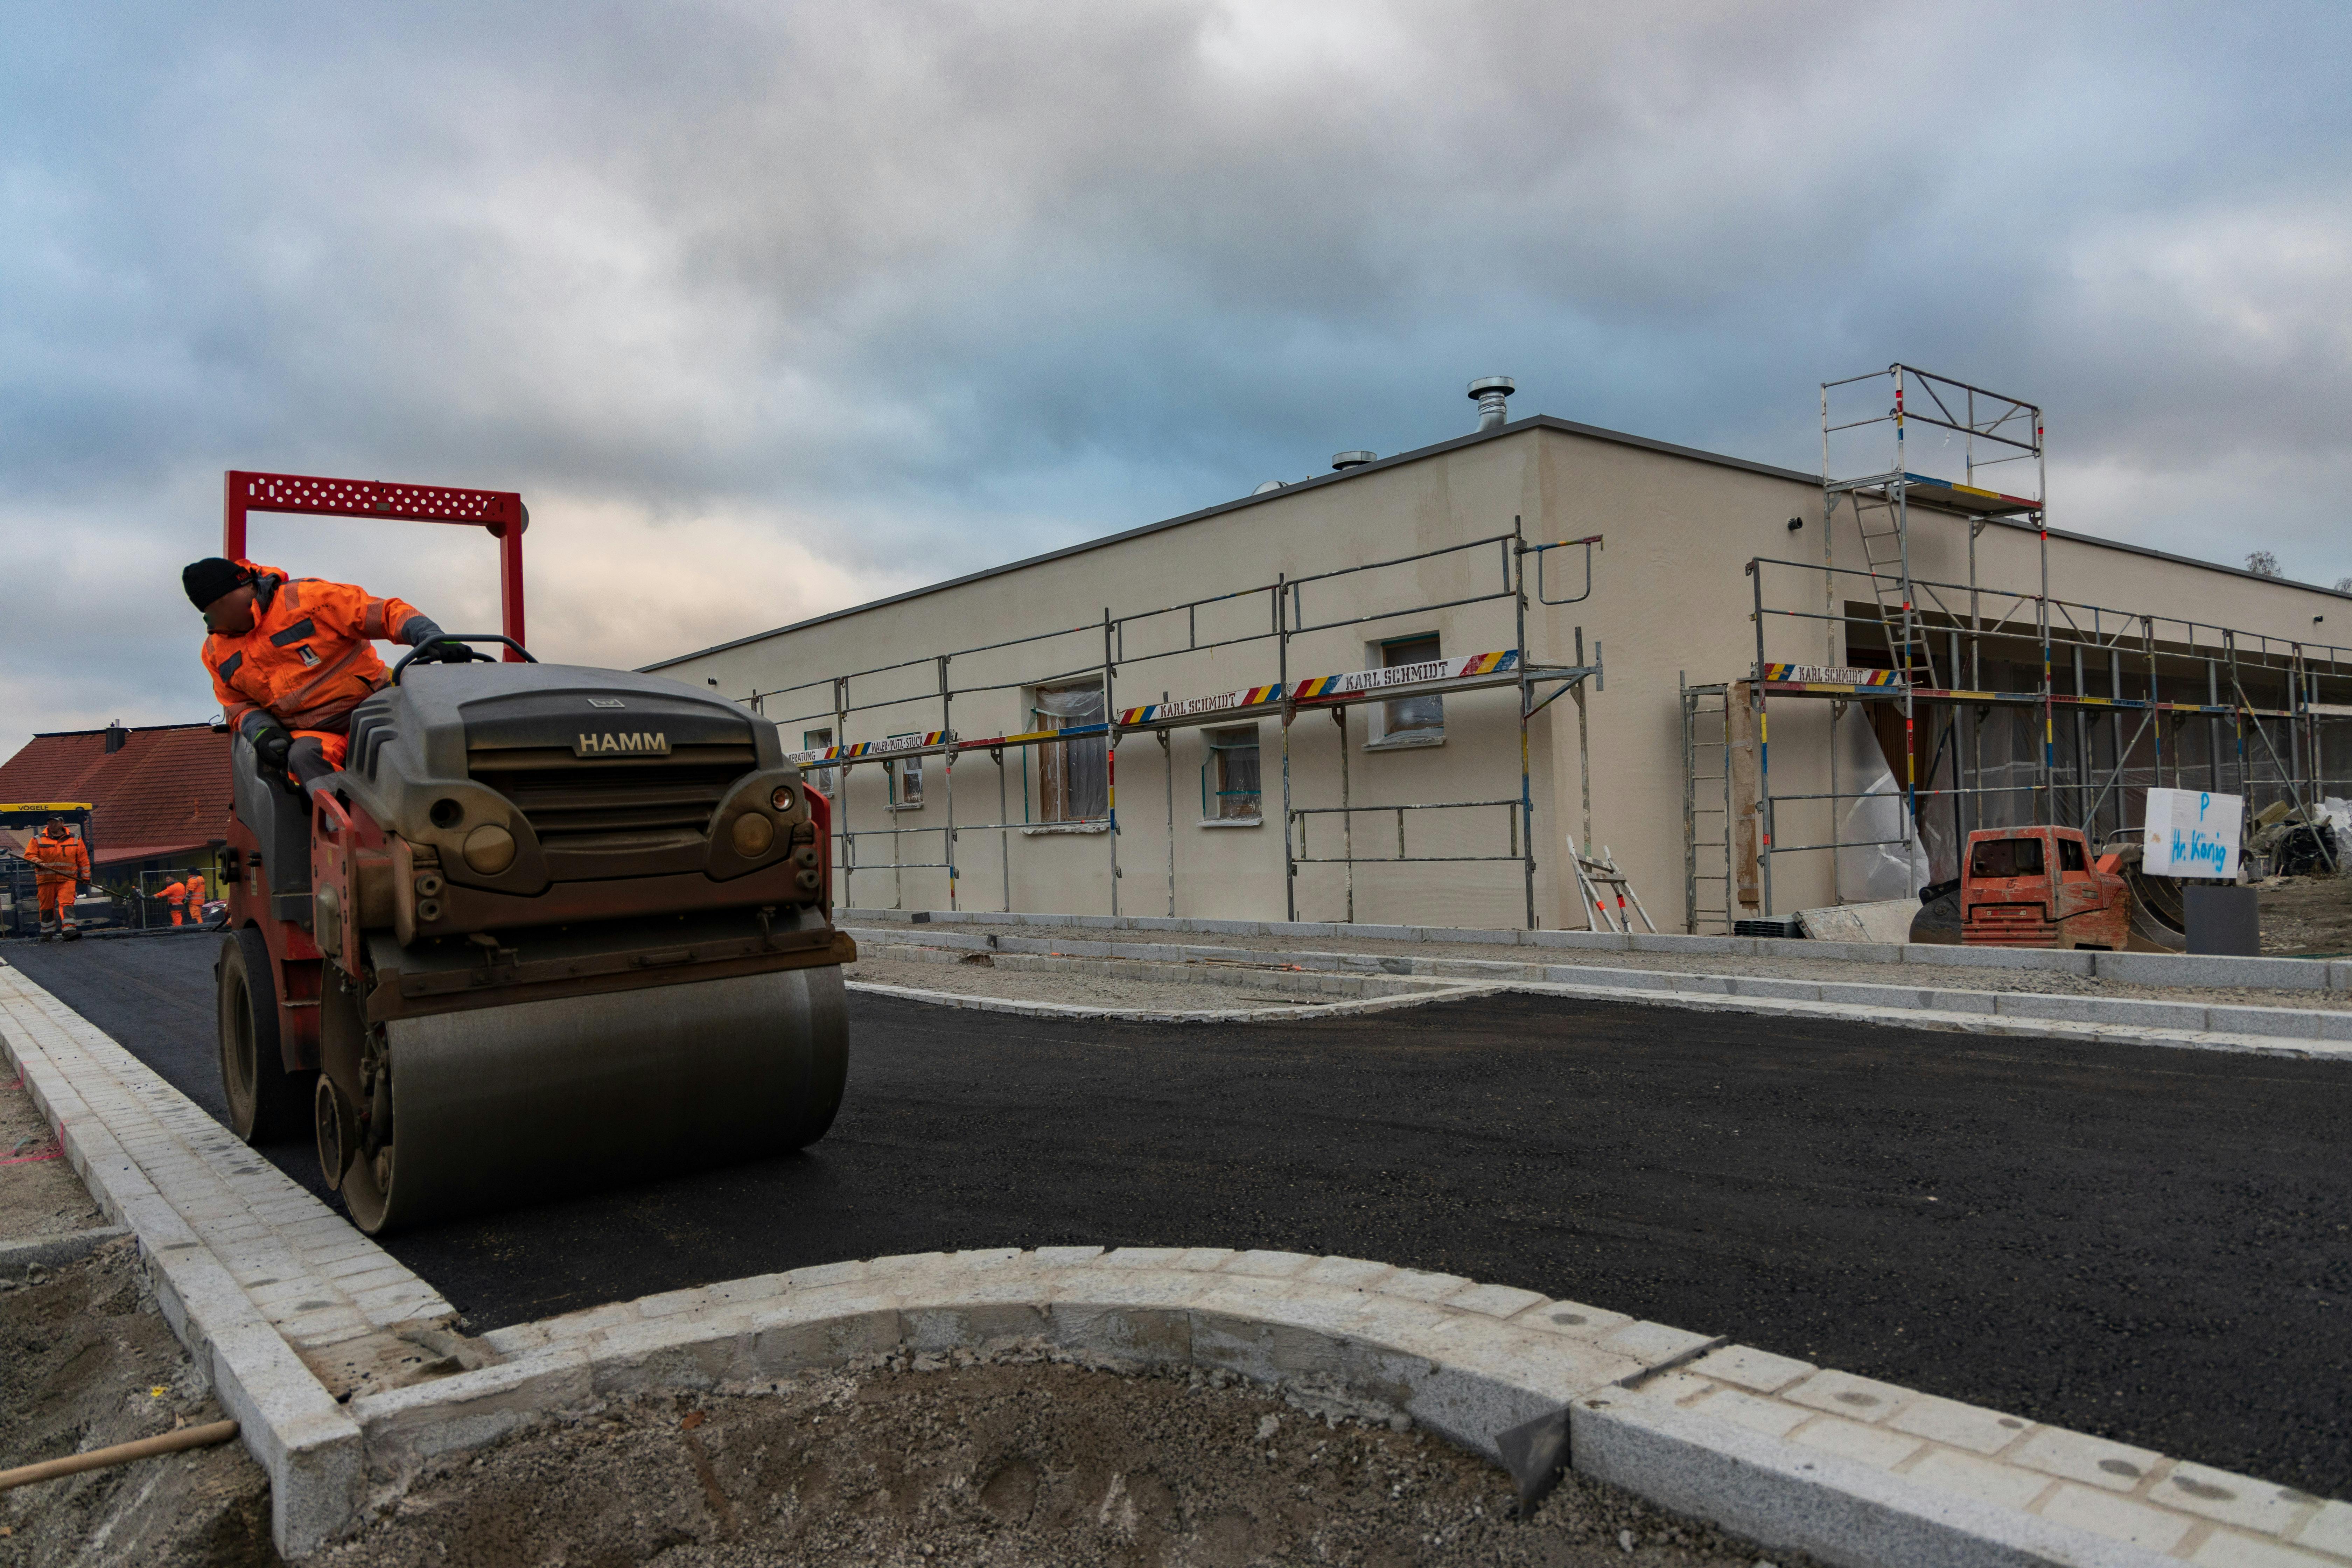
point(1789, 1454)
point(2277, 1031)
point(2133, 968)
point(271, 1291)
point(1792, 1454)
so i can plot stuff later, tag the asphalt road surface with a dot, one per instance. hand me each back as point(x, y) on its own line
point(2144, 1243)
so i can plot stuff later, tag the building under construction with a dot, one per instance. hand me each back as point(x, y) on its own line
point(1479, 683)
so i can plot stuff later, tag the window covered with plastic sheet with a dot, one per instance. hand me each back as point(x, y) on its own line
point(1229, 776)
point(1073, 777)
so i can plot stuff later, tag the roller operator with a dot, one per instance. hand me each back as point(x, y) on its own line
point(289, 657)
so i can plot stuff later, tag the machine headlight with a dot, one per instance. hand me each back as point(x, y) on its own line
point(781, 797)
point(753, 833)
point(489, 849)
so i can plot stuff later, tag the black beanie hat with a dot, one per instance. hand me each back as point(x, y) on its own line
point(211, 578)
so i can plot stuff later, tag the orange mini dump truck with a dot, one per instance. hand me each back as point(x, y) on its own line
point(2040, 887)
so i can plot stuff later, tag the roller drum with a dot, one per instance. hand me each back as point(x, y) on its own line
point(502, 1104)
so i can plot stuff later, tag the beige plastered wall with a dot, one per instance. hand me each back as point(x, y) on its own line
point(1670, 599)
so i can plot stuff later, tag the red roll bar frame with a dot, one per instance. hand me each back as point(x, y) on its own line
point(500, 512)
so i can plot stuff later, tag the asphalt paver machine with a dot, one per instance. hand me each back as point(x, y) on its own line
point(551, 928)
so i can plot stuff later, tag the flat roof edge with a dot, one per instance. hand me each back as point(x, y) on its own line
point(1419, 454)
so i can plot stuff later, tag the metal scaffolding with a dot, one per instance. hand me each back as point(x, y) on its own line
point(1962, 652)
point(1115, 644)
point(2186, 704)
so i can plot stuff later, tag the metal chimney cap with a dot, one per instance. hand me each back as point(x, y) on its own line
point(1352, 460)
point(1486, 383)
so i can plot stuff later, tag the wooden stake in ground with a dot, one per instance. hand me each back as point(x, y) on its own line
point(203, 1437)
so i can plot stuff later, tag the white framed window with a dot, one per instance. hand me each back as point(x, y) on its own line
point(1417, 720)
point(905, 777)
point(1230, 788)
point(817, 740)
point(1073, 777)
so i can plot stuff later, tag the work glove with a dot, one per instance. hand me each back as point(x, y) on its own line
point(420, 632)
point(271, 744)
point(434, 645)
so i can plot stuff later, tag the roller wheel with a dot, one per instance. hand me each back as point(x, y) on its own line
point(366, 1188)
point(828, 1054)
point(266, 1104)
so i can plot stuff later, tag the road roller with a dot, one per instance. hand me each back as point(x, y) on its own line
point(551, 928)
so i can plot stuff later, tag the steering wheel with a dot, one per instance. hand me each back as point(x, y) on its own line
point(471, 656)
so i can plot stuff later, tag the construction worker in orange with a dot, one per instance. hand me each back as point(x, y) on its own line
point(60, 863)
point(176, 895)
point(289, 659)
point(195, 885)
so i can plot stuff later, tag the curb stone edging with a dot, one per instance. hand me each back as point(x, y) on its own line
point(1786, 1453)
point(2135, 968)
point(2314, 1023)
point(1190, 1016)
point(293, 1427)
point(2029, 1021)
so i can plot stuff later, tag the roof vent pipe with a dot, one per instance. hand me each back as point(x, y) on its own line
point(115, 737)
point(1489, 392)
point(1344, 460)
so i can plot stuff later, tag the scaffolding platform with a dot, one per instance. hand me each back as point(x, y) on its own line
point(1947, 495)
point(1526, 579)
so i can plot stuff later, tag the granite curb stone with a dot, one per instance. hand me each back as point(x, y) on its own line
point(1851, 1469)
point(2138, 968)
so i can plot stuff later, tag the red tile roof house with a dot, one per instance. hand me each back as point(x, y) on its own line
point(159, 796)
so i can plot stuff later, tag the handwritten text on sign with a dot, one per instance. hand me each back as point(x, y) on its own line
point(2192, 832)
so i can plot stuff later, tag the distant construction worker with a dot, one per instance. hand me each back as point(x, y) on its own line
point(289, 657)
point(175, 894)
point(195, 884)
point(60, 863)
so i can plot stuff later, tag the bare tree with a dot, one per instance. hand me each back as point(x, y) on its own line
point(2262, 564)
point(2343, 584)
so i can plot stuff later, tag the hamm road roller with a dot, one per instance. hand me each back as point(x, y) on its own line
point(550, 928)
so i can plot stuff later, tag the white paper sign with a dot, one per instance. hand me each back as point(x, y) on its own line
point(2192, 832)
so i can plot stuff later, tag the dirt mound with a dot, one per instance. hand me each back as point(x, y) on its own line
point(1026, 1461)
point(86, 1360)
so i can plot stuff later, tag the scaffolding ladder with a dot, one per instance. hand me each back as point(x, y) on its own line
point(1706, 805)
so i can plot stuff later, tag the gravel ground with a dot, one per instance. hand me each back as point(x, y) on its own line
point(2309, 915)
point(86, 1361)
point(1920, 975)
point(39, 1193)
point(1013, 1458)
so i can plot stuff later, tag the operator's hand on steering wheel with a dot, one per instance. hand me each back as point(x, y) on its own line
point(447, 650)
point(271, 745)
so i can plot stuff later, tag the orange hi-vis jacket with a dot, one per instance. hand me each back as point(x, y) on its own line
point(307, 660)
point(56, 860)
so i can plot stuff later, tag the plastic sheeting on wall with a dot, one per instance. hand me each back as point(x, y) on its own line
point(1869, 869)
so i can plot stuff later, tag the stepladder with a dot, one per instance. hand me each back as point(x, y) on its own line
point(1609, 902)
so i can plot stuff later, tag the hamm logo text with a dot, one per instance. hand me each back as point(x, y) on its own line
point(623, 743)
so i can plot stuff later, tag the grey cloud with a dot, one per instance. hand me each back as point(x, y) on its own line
point(924, 286)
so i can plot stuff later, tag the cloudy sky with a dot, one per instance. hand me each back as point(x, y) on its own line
point(771, 308)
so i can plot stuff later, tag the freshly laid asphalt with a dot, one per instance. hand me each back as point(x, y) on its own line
point(2144, 1243)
